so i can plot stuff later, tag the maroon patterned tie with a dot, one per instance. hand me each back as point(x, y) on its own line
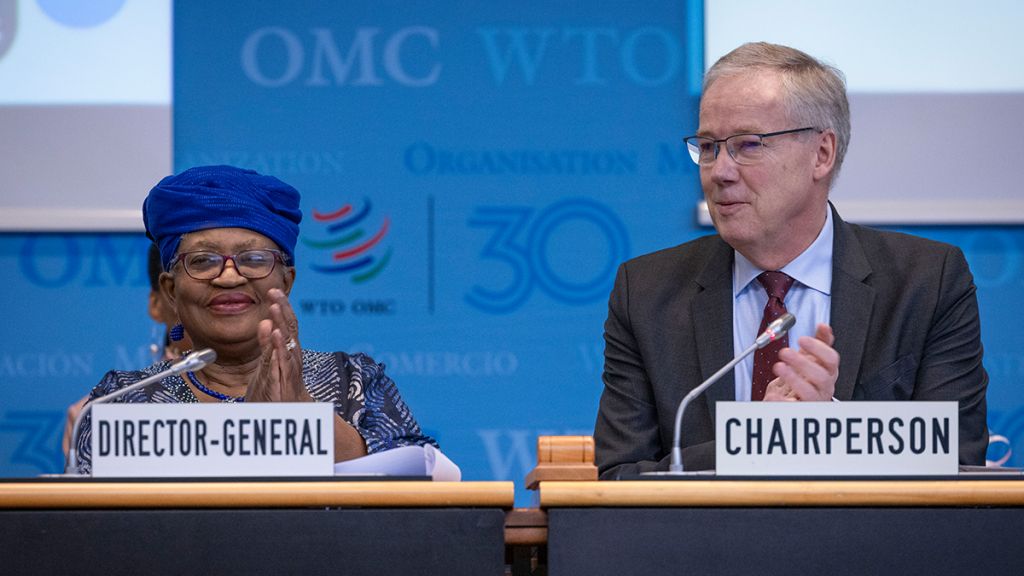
point(776, 284)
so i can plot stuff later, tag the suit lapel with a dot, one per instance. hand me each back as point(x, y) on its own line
point(852, 303)
point(712, 314)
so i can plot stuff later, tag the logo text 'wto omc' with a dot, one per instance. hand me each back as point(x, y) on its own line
point(646, 56)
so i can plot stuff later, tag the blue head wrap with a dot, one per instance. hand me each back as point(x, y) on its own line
point(221, 197)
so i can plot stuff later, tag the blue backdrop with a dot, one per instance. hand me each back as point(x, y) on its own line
point(471, 178)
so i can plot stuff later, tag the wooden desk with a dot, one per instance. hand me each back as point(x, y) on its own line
point(785, 527)
point(306, 527)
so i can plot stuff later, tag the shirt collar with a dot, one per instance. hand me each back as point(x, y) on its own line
point(812, 268)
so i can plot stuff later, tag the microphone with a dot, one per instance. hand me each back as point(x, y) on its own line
point(194, 361)
point(776, 329)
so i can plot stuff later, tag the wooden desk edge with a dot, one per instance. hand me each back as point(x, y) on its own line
point(396, 494)
point(907, 493)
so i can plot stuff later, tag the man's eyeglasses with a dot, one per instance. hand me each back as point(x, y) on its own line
point(251, 264)
point(745, 149)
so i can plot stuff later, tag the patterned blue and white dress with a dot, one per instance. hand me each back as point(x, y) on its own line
point(361, 393)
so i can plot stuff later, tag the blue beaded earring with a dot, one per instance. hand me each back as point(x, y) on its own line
point(177, 333)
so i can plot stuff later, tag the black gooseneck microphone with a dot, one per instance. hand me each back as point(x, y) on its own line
point(775, 330)
point(194, 361)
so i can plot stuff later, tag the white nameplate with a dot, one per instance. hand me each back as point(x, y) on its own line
point(836, 439)
point(175, 440)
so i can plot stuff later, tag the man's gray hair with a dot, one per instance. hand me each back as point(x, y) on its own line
point(815, 91)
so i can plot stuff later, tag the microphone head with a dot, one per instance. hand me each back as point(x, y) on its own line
point(782, 324)
point(776, 329)
point(195, 361)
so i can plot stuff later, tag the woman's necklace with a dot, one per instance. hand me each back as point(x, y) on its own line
point(222, 397)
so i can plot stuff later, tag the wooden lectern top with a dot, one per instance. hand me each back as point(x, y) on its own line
point(760, 493)
point(242, 494)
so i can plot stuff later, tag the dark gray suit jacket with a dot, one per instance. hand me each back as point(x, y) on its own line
point(903, 311)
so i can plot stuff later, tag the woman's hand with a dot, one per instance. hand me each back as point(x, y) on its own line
point(279, 377)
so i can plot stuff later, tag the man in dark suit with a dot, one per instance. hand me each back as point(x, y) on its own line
point(880, 315)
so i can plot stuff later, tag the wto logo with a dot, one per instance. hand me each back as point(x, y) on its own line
point(345, 247)
point(570, 250)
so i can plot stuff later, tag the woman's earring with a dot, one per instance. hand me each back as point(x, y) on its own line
point(177, 333)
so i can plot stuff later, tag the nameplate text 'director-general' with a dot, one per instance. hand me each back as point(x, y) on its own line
point(197, 440)
point(836, 439)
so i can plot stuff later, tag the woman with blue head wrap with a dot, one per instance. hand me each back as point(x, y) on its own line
point(227, 244)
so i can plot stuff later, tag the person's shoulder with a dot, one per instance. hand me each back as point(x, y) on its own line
point(888, 248)
point(114, 380)
point(365, 364)
point(312, 359)
point(344, 361)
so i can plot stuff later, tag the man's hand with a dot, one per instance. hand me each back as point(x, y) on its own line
point(808, 374)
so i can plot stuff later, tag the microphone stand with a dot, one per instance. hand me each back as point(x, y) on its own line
point(194, 361)
point(775, 330)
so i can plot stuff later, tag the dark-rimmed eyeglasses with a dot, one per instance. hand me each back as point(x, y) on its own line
point(745, 149)
point(251, 264)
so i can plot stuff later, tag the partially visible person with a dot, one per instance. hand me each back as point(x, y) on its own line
point(166, 348)
point(227, 247)
point(175, 339)
point(880, 315)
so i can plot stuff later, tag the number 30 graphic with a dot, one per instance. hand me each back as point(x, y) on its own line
point(528, 260)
